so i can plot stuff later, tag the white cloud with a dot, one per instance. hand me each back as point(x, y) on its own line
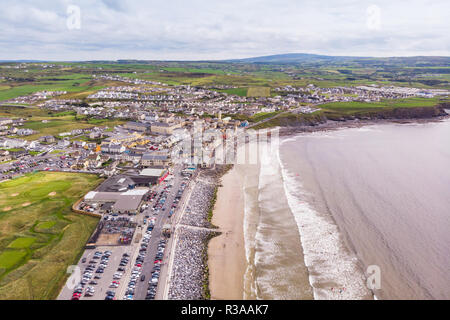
point(199, 29)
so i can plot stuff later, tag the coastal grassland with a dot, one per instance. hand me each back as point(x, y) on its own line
point(292, 119)
point(409, 108)
point(260, 116)
point(355, 106)
point(39, 234)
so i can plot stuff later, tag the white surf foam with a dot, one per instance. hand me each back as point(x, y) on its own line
point(249, 244)
point(334, 271)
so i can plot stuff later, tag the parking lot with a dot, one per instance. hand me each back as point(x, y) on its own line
point(132, 271)
point(100, 281)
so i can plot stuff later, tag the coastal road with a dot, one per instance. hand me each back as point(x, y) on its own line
point(166, 272)
point(277, 115)
point(161, 219)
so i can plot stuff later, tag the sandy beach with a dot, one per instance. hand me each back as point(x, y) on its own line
point(226, 253)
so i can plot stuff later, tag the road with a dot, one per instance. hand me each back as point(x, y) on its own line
point(277, 115)
point(163, 290)
point(161, 220)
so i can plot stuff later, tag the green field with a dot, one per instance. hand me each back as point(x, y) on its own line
point(355, 106)
point(258, 92)
point(242, 92)
point(78, 86)
point(56, 122)
point(39, 234)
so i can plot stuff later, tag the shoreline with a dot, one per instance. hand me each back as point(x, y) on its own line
point(357, 233)
point(227, 261)
point(189, 278)
point(331, 125)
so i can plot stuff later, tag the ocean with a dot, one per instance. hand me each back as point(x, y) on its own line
point(327, 205)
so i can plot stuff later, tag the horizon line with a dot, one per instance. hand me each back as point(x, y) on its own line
point(225, 60)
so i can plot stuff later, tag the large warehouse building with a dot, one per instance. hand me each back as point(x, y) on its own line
point(127, 202)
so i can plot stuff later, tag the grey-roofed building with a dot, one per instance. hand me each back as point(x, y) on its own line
point(164, 128)
point(155, 159)
point(124, 202)
point(138, 126)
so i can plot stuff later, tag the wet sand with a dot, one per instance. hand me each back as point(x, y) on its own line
point(226, 253)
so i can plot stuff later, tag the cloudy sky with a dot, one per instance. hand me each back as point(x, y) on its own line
point(211, 29)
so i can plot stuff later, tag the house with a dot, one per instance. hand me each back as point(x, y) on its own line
point(76, 132)
point(164, 127)
point(78, 165)
point(35, 145)
point(5, 121)
point(95, 160)
point(123, 138)
point(167, 119)
point(131, 156)
point(155, 159)
point(47, 139)
point(4, 155)
point(152, 117)
point(112, 148)
point(63, 143)
point(12, 143)
point(138, 126)
point(91, 145)
point(17, 152)
point(95, 135)
point(75, 154)
point(79, 144)
point(92, 161)
point(24, 132)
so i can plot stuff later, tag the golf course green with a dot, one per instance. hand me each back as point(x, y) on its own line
point(39, 234)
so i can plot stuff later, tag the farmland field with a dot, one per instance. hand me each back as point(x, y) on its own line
point(39, 234)
point(55, 123)
point(350, 107)
point(258, 92)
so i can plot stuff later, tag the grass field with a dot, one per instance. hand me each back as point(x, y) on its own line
point(242, 92)
point(78, 86)
point(56, 123)
point(355, 106)
point(39, 234)
point(258, 92)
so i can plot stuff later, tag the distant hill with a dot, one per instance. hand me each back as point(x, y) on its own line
point(306, 58)
point(290, 58)
point(21, 61)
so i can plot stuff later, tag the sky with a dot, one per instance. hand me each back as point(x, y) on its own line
point(78, 30)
